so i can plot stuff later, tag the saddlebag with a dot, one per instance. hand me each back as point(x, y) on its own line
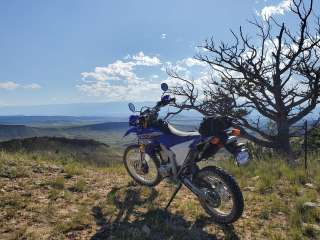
point(212, 126)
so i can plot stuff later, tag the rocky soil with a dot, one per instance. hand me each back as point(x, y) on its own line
point(45, 199)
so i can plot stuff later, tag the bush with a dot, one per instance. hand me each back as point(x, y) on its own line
point(80, 186)
point(57, 183)
point(72, 169)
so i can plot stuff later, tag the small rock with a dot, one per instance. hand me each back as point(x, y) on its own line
point(310, 205)
point(310, 185)
point(301, 192)
point(314, 227)
point(26, 194)
point(245, 215)
point(146, 230)
point(251, 189)
point(255, 178)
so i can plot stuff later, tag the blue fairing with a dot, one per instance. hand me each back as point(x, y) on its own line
point(131, 130)
point(166, 139)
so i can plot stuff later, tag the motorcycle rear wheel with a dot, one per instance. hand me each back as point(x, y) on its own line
point(228, 206)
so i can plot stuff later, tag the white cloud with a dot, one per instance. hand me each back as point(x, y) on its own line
point(13, 85)
point(142, 90)
point(119, 81)
point(191, 62)
point(114, 71)
point(3, 104)
point(130, 79)
point(122, 70)
point(155, 76)
point(32, 86)
point(278, 9)
point(144, 60)
point(186, 66)
point(9, 85)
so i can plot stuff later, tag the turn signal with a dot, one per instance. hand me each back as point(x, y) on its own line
point(235, 132)
point(215, 140)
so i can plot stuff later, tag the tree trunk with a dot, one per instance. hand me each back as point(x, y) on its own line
point(283, 141)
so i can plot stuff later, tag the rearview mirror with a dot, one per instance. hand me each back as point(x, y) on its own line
point(164, 87)
point(132, 107)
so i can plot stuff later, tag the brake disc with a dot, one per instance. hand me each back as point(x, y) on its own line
point(212, 198)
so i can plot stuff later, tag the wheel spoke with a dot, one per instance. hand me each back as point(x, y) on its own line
point(226, 204)
point(145, 171)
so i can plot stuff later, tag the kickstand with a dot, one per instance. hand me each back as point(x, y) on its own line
point(173, 195)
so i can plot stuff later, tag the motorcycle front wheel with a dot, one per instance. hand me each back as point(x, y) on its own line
point(142, 167)
point(223, 199)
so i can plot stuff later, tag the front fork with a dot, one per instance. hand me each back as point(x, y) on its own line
point(143, 162)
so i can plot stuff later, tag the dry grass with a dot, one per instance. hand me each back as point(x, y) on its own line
point(45, 198)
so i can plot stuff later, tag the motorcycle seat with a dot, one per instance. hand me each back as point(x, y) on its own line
point(177, 132)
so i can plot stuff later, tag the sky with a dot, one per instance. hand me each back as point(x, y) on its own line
point(78, 51)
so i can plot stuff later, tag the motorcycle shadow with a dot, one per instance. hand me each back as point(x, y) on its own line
point(137, 217)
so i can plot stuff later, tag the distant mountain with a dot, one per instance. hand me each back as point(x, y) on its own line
point(17, 131)
point(106, 132)
point(53, 120)
point(84, 150)
point(99, 131)
point(110, 109)
point(121, 127)
point(114, 111)
point(48, 143)
point(107, 126)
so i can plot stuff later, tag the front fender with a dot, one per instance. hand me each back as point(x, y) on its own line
point(131, 130)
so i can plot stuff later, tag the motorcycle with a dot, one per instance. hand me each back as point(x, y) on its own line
point(163, 151)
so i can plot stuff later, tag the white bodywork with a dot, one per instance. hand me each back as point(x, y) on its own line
point(181, 133)
point(181, 151)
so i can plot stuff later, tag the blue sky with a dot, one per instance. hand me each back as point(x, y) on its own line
point(108, 50)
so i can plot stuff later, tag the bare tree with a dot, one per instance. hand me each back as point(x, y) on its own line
point(276, 76)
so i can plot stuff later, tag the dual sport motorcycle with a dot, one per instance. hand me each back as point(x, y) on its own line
point(163, 151)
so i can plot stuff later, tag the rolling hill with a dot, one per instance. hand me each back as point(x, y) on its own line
point(83, 150)
point(50, 121)
point(100, 131)
point(107, 132)
point(17, 131)
point(107, 126)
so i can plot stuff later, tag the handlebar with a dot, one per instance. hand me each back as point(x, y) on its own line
point(162, 103)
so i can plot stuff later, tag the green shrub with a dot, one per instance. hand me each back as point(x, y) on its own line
point(266, 183)
point(79, 186)
point(72, 169)
point(54, 194)
point(276, 204)
point(264, 214)
point(10, 169)
point(57, 183)
point(79, 221)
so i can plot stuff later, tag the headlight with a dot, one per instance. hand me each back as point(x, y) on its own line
point(242, 157)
